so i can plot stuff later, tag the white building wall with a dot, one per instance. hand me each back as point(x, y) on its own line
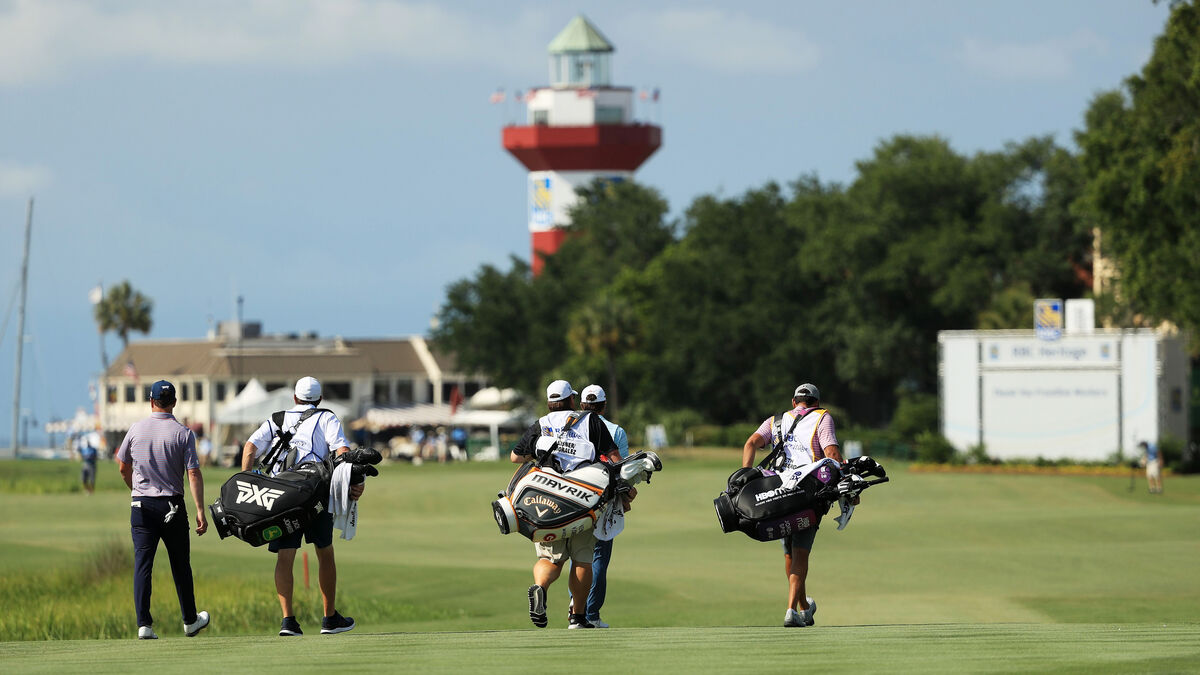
point(577, 107)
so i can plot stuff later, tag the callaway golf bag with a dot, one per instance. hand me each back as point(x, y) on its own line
point(258, 508)
point(544, 504)
point(766, 505)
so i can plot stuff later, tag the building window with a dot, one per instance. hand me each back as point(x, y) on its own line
point(472, 388)
point(221, 391)
point(111, 393)
point(272, 386)
point(541, 117)
point(146, 392)
point(130, 394)
point(382, 392)
point(404, 391)
point(336, 391)
point(610, 114)
point(183, 391)
point(199, 391)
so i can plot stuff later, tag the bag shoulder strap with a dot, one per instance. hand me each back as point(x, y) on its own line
point(283, 439)
point(777, 450)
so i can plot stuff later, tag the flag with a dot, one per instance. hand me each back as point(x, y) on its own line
point(518, 96)
point(587, 93)
point(654, 96)
point(530, 94)
point(456, 399)
point(644, 95)
point(497, 96)
point(130, 370)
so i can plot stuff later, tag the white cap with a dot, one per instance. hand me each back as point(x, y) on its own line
point(592, 394)
point(807, 391)
point(559, 390)
point(308, 389)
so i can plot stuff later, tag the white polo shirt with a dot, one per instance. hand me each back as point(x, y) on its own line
point(312, 440)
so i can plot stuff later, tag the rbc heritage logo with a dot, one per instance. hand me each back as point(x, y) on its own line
point(823, 474)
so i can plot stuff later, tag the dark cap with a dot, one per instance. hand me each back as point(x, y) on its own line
point(163, 392)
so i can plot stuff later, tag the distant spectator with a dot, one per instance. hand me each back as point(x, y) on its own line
point(204, 447)
point(89, 452)
point(1152, 460)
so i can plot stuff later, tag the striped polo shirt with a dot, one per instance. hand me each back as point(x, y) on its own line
point(160, 449)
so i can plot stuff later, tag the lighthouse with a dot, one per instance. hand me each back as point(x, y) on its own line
point(577, 129)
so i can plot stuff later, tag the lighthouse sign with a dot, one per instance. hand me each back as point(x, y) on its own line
point(541, 201)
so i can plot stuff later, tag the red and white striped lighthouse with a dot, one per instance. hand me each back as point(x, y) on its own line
point(577, 129)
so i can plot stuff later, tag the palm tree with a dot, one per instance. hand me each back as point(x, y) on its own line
point(122, 311)
point(607, 327)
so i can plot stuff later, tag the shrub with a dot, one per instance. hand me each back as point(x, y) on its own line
point(934, 448)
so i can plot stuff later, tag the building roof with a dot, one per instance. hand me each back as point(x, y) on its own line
point(275, 358)
point(579, 36)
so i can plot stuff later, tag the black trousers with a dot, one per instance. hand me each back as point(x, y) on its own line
point(146, 521)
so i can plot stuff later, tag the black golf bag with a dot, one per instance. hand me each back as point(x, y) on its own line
point(258, 508)
point(760, 504)
point(544, 504)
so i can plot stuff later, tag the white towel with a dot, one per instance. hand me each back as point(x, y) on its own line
point(343, 509)
point(610, 521)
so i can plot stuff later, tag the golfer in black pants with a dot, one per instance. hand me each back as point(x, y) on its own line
point(152, 460)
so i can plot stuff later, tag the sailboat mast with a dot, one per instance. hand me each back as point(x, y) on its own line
point(16, 418)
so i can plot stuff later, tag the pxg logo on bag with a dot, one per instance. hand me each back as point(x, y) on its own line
point(264, 497)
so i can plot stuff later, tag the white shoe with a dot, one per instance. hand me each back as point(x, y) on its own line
point(196, 626)
point(598, 623)
point(146, 633)
point(793, 619)
point(808, 613)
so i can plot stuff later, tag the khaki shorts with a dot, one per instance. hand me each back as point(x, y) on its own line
point(579, 548)
point(1153, 470)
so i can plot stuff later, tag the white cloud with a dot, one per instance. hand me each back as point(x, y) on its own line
point(40, 39)
point(1051, 59)
point(17, 180)
point(721, 41)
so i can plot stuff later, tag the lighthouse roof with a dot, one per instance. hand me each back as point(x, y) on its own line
point(579, 36)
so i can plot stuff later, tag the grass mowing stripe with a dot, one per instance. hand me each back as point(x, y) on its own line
point(898, 648)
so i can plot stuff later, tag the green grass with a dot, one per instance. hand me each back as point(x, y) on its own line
point(936, 572)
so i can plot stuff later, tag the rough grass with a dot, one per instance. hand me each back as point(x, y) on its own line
point(937, 572)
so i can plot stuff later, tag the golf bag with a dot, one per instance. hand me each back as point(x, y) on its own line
point(766, 505)
point(258, 508)
point(545, 505)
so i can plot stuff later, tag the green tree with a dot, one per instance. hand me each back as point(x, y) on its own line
point(602, 331)
point(123, 310)
point(1141, 165)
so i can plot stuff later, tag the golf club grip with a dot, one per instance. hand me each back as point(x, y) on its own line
point(877, 481)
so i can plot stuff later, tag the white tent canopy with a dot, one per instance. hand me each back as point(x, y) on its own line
point(254, 404)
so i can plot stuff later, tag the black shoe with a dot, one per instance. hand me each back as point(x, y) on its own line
point(336, 624)
point(578, 621)
point(537, 605)
point(290, 626)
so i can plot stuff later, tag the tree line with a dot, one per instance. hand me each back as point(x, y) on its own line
point(723, 311)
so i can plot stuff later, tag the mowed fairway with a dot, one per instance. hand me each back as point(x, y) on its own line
point(936, 572)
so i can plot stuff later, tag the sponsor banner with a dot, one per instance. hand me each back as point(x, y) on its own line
point(1039, 354)
point(1048, 318)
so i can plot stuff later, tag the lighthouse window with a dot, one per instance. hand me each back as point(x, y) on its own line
point(541, 116)
point(609, 114)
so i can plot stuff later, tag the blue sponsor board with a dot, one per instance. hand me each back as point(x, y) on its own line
point(1048, 318)
point(541, 202)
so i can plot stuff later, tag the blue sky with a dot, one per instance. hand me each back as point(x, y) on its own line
point(337, 163)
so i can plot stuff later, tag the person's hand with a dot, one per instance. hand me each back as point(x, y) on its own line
point(357, 490)
point(201, 523)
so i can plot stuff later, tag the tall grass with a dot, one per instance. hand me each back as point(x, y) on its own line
point(93, 599)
